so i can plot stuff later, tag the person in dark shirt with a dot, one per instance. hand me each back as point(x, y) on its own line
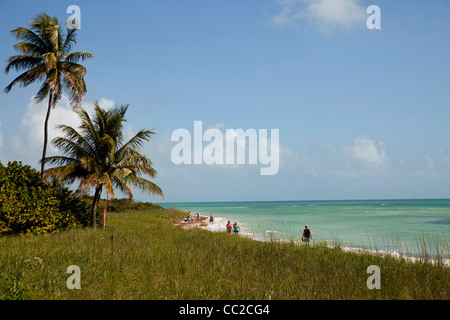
point(307, 235)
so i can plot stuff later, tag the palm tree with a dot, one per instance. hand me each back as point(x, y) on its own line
point(97, 156)
point(45, 55)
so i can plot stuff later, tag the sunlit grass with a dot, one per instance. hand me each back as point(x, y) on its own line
point(142, 255)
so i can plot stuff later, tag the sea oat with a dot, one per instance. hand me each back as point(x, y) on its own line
point(448, 244)
point(40, 261)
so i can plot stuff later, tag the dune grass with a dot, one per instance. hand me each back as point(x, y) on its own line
point(142, 255)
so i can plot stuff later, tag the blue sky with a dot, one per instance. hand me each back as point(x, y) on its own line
point(362, 114)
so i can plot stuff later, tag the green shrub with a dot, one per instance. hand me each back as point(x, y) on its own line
point(121, 205)
point(29, 205)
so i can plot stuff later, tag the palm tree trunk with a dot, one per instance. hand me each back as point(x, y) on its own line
point(104, 213)
point(98, 192)
point(50, 98)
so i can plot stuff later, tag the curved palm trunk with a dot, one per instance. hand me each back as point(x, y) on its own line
point(104, 213)
point(46, 133)
point(98, 192)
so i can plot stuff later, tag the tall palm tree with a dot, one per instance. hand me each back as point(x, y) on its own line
point(97, 156)
point(45, 55)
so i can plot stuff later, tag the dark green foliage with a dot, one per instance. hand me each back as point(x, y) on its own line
point(120, 205)
point(97, 156)
point(29, 205)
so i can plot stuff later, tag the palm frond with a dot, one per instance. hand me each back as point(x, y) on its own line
point(70, 148)
point(72, 134)
point(74, 83)
point(42, 93)
point(105, 180)
point(28, 77)
point(71, 39)
point(93, 156)
point(145, 185)
point(123, 187)
point(22, 62)
point(76, 56)
point(28, 35)
point(137, 141)
point(60, 160)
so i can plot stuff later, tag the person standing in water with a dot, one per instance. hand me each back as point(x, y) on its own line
point(236, 228)
point(307, 235)
point(211, 219)
point(229, 227)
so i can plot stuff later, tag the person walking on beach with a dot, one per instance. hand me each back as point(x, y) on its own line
point(236, 228)
point(307, 235)
point(198, 215)
point(229, 227)
point(211, 219)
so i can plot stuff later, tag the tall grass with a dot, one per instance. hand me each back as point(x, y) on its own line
point(434, 248)
point(142, 255)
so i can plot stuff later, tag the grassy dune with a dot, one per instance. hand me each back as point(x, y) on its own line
point(142, 255)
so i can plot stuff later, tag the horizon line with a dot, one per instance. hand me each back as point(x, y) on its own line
point(329, 200)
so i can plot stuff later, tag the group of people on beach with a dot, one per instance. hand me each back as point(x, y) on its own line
point(235, 228)
point(189, 219)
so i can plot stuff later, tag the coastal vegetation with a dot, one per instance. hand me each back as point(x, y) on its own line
point(95, 156)
point(30, 205)
point(144, 255)
point(98, 156)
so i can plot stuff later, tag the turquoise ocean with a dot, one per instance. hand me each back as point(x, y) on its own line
point(400, 226)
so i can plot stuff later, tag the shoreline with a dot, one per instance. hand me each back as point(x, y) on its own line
point(220, 223)
point(194, 223)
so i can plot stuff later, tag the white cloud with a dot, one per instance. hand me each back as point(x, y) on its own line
point(285, 16)
point(369, 153)
point(324, 14)
point(27, 147)
point(33, 120)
